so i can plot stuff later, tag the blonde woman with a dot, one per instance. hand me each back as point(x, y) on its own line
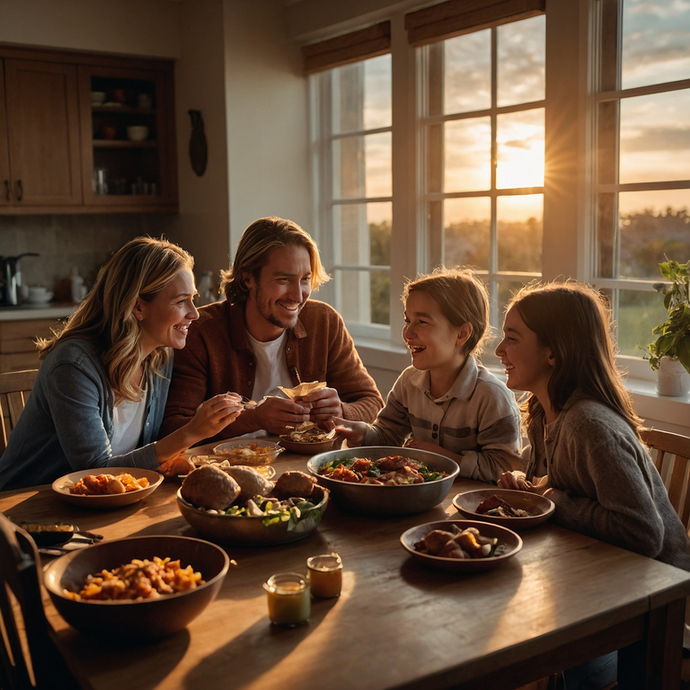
point(100, 393)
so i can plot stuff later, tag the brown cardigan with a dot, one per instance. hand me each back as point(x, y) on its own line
point(218, 358)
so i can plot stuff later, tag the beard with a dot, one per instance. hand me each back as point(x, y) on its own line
point(264, 308)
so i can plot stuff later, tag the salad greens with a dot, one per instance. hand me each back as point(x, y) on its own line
point(300, 515)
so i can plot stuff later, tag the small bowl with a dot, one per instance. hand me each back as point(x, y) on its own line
point(506, 537)
point(243, 530)
point(49, 533)
point(538, 507)
point(130, 619)
point(372, 499)
point(107, 501)
point(41, 296)
point(237, 452)
point(97, 97)
point(137, 133)
point(307, 448)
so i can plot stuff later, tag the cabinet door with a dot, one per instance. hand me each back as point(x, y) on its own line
point(128, 138)
point(4, 152)
point(43, 130)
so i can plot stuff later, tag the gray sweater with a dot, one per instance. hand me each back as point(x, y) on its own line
point(606, 484)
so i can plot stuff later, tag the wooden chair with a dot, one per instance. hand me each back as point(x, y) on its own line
point(15, 387)
point(671, 455)
point(29, 656)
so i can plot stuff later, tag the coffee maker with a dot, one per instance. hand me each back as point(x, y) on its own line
point(11, 279)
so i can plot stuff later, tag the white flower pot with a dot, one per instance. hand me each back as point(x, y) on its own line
point(673, 379)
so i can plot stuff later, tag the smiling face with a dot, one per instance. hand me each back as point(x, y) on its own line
point(434, 343)
point(165, 320)
point(275, 300)
point(528, 363)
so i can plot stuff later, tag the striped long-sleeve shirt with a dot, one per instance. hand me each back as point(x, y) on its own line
point(477, 419)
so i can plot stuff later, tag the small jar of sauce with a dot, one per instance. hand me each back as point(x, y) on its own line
point(289, 603)
point(325, 574)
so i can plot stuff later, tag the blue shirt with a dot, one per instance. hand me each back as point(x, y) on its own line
point(67, 423)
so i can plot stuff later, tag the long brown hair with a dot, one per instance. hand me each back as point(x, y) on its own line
point(141, 268)
point(251, 255)
point(574, 321)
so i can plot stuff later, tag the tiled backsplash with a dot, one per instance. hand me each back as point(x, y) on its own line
point(62, 242)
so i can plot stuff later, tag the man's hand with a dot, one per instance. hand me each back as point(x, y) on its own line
point(276, 414)
point(325, 403)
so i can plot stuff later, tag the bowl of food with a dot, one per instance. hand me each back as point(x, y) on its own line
point(385, 480)
point(114, 487)
point(128, 603)
point(308, 439)
point(461, 546)
point(247, 451)
point(239, 506)
point(517, 510)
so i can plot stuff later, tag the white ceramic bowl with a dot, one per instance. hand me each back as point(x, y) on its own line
point(39, 295)
point(97, 97)
point(137, 133)
point(107, 501)
point(509, 540)
point(538, 507)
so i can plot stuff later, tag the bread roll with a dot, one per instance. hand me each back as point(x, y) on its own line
point(294, 483)
point(251, 482)
point(209, 487)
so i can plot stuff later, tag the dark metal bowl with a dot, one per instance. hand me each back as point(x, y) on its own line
point(373, 499)
point(147, 618)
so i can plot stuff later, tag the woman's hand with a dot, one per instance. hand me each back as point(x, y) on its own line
point(354, 432)
point(214, 414)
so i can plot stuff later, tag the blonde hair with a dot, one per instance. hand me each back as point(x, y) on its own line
point(574, 321)
point(253, 249)
point(462, 298)
point(140, 269)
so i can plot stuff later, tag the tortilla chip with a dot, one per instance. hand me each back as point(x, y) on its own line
point(303, 389)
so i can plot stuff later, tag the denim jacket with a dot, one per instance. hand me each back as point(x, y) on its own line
point(67, 423)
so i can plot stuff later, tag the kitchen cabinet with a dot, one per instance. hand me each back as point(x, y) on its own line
point(40, 135)
point(61, 152)
point(17, 347)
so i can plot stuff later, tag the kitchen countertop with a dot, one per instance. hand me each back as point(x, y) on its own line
point(25, 312)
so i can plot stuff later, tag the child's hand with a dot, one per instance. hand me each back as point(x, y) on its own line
point(515, 481)
point(354, 432)
point(428, 446)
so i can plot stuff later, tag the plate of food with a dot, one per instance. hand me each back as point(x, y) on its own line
point(308, 439)
point(223, 463)
point(517, 510)
point(112, 487)
point(248, 451)
point(385, 480)
point(240, 506)
point(461, 546)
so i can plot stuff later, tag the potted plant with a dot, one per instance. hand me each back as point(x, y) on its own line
point(670, 352)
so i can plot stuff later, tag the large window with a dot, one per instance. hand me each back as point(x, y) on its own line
point(482, 126)
point(642, 165)
point(356, 176)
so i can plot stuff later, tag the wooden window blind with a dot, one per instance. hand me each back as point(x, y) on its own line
point(456, 17)
point(358, 45)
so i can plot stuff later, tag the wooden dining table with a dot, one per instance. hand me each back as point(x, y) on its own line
point(563, 599)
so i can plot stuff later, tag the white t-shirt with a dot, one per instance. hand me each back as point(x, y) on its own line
point(271, 371)
point(128, 423)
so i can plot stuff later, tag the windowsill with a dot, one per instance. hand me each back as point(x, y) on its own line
point(659, 410)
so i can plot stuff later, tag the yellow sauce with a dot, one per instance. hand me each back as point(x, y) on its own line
point(325, 574)
point(289, 603)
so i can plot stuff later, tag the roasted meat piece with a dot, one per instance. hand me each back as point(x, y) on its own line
point(391, 463)
point(251, 482)
point(492, 503)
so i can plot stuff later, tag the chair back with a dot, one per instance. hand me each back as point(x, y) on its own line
point(30, 659)
point(15, 387)
point(671, 454)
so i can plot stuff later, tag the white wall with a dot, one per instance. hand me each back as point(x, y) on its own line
point(266, 100)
